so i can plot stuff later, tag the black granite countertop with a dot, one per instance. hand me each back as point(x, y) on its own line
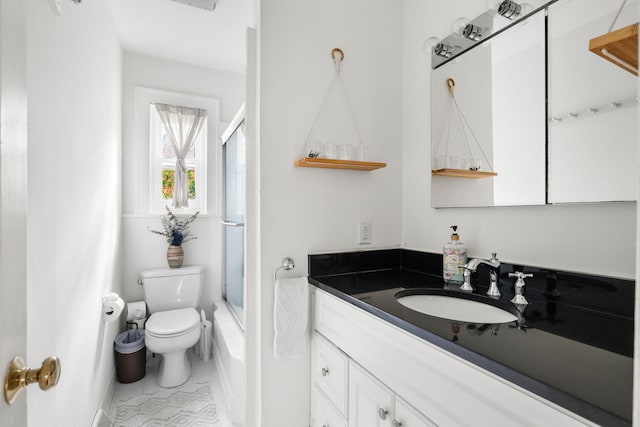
point(572, 345)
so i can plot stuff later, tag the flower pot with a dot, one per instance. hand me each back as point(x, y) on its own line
point(175, 256)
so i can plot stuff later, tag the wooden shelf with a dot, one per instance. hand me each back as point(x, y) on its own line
point(315, 162)
point(619, 47)
point(462, 173)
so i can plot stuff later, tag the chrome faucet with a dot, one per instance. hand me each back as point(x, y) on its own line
point(473, 265)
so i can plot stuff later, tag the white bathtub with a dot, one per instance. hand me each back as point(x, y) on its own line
point(228, 350)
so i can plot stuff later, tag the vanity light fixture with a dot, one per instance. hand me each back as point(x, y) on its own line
point(458, 25)
point(509, 9)
point(444, 50)
point(473, 32)
point(428, 46)
point(512, 10)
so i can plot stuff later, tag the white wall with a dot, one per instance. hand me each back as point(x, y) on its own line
point(591, 238)
point(73, 220)
point(307, 210)
point(142, 249)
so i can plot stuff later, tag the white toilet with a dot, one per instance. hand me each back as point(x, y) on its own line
point(172, 295)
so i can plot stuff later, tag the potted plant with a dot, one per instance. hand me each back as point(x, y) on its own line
point(176, 232)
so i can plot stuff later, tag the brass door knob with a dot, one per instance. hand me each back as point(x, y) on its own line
point(18, 376)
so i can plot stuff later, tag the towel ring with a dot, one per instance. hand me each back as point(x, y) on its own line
point(287, 264)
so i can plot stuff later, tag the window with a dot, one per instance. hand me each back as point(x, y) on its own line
point(162, 177)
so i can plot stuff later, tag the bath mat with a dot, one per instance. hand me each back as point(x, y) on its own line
point(191, 404)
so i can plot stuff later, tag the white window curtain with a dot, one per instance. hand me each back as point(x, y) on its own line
point(182, 125)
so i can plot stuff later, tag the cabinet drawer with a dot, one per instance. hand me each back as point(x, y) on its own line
point(329, 371)
point(323, 413)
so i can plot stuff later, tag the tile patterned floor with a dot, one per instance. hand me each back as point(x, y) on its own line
point(199, 402)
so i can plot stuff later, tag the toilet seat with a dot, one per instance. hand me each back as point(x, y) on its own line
point(171, 323)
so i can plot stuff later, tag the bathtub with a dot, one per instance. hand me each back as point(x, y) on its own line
point(228, 351)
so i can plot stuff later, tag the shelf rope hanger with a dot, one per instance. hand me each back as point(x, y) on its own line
point(337, 55)
point(446, 125)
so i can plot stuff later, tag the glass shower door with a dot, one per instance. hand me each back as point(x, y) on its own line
point(233, 150)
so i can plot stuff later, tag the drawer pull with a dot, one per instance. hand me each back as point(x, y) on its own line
point(397, 423)
point(325, 372)
point(382, 414)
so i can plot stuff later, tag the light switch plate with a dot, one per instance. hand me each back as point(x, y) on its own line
point(364, 233)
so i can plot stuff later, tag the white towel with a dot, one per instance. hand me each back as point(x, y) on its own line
point(290, 318)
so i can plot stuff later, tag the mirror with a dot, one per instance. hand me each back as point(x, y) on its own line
point(494, 119)
point(592, 107)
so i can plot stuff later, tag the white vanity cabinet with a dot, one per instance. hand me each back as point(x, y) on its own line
point(415, 381)
point(329, 384)
point(323, 413)
point(408, 416)
point(343, 390)
point(372, 404)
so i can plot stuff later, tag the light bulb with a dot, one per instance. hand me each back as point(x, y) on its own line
point(444, 50)
point(527, 8)
point(492, 6)
point(427, 46)
point(458, 26)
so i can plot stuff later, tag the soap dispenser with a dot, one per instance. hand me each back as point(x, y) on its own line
point(454, 256)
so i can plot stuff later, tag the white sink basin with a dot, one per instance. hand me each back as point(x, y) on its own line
point(456, 308)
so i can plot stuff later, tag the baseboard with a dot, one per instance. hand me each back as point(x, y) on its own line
point(102, 419)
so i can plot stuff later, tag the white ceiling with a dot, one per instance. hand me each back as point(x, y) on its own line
point(170, 30)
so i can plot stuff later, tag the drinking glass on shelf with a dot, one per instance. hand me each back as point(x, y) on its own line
point(465, 163)
point(360, 152)
point(345, 151)
point(476, 164)
point(453, 162)
point(329, 150)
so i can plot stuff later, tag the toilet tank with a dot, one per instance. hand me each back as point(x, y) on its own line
point(171, 288)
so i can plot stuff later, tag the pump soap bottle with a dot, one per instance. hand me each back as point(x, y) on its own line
point(454, 256)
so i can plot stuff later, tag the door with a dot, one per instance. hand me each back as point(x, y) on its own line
point(13, 196)
point(234, 200)
point(370, 402)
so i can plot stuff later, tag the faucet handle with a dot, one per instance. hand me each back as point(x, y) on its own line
point(521, 276)
point(519, 287)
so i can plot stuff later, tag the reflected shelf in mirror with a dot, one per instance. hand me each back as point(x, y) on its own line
point(462, 173)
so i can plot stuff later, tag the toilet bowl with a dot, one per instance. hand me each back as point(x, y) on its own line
point(169, 334)
point(172, 295)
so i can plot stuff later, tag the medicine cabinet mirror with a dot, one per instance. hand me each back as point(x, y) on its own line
point(499, 112)
point(592, 107)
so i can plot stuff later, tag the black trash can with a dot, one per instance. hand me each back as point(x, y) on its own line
point(131, 356)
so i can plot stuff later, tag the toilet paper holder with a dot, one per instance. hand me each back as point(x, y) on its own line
point(112, 306)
